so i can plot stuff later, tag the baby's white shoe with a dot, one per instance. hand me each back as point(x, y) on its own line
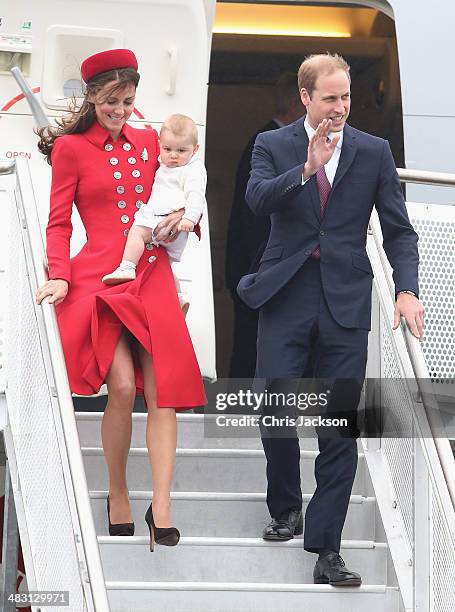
point(119, 276)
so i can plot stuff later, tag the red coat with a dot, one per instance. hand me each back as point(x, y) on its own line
point(92, 315)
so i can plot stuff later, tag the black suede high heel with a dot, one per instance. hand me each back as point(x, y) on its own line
point(119, 529)
point(167, 536)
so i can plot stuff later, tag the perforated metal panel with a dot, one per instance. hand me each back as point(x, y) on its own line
point(397, 411)
point(442, 562)
point(425, 528)
point(436, 228)
point(39, 464)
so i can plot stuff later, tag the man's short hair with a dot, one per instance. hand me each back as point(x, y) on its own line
point(286, 93)
point(182, 126)
point(315, 65)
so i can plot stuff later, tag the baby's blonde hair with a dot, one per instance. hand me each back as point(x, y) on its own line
point(182, 126)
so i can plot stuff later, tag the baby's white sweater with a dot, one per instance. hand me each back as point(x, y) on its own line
point(181, 187)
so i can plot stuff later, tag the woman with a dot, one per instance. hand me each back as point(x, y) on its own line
point(131, 336)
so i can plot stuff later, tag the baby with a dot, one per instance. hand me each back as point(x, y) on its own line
point(180, 182)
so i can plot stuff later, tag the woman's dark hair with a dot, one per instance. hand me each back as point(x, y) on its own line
point(80, 119)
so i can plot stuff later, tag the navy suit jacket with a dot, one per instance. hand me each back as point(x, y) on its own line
point(366, 177)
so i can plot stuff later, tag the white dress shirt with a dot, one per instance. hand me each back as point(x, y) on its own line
point(332, 165)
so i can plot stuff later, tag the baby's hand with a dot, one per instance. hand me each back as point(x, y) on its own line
point(185, 225)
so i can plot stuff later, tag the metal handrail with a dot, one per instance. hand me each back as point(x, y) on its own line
point(37, 111)
point(425, 177)
point(420, 369)
point(7, 168)
point(37, 270)
point(441, 179)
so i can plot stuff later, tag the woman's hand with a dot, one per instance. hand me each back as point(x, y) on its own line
point(55, 290)
point(167, 229)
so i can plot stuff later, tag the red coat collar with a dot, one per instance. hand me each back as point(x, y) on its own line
point(97, 135)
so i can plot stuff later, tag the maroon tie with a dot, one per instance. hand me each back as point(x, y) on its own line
point(324, 189)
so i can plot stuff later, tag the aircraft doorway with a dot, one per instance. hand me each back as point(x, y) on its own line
point(253, 45)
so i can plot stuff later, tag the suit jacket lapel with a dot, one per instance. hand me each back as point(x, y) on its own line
point(348, 151)
point(300, 141)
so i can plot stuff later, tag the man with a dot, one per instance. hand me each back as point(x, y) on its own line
point(319, 179)
point(247, 233)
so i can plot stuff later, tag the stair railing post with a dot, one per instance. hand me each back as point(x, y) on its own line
point(373, 413)
point(10, 546)
point(422, 553)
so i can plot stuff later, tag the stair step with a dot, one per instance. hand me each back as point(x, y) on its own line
point(208, 469)
point(191, 431)
point(228, 514)
point(248, 597)
point(231, 560)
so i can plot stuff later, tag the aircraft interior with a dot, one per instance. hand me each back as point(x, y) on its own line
point(253, 44)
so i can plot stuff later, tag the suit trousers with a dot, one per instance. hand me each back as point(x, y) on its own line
point(243, 358)
point(296, 334)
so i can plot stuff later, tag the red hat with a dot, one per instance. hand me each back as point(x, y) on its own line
point(107, 60)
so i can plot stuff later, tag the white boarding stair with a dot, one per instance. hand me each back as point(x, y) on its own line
point(221, 563)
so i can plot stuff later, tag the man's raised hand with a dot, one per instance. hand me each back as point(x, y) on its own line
point(320, 148)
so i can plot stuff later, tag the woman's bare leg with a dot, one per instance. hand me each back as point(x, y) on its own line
point(116, 428)
point(161, 444)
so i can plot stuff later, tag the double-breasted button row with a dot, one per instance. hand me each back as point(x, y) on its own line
point(118, 175)
point(120, 189)
point(110, 147)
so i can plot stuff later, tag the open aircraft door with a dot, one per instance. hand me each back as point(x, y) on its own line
point(171, 38)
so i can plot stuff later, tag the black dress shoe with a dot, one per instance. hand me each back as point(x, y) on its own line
point(118, 529)
point(284, 528)
point(331, 570)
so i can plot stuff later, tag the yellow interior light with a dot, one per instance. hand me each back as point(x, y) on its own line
point(282, 20)
point(225, 29)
